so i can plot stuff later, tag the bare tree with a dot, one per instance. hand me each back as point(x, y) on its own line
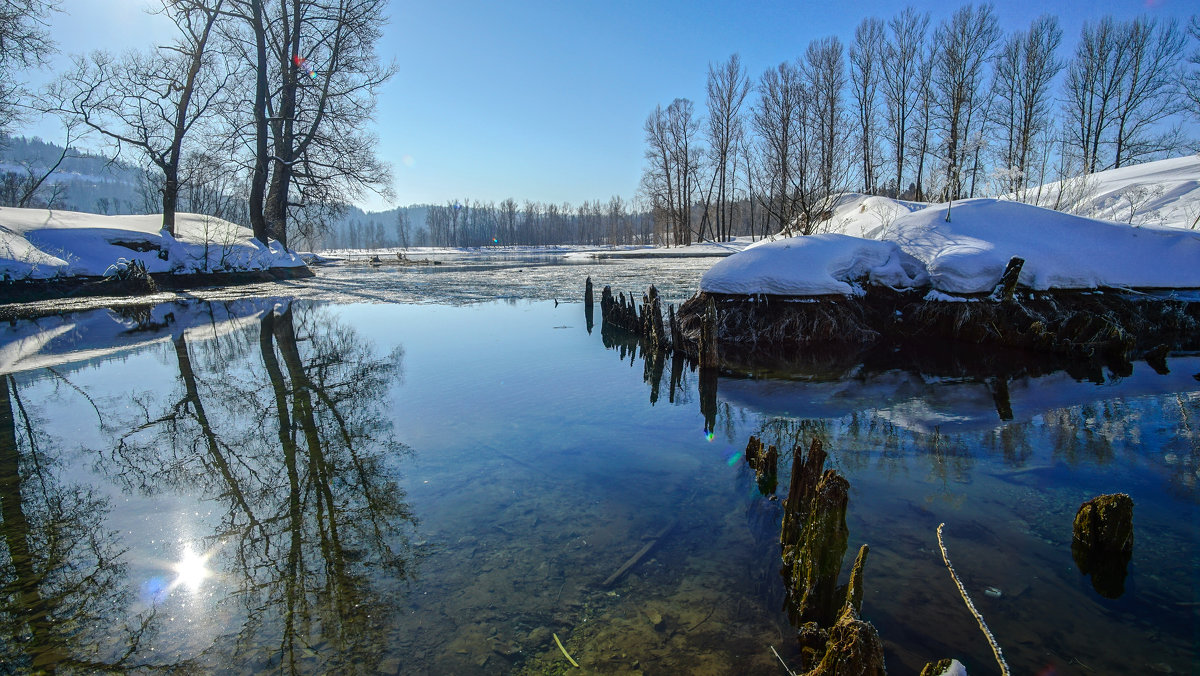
point(151, 101)
point(963, 46)
point(827, 139)
point(728, 87)
point(777, 119)
point(1093, 89)
point(1025, 69)
point(902, 58)
point(670, 178)
point(24, 43)
point(866, 74)
point(1191, 82)
point(1148, 90)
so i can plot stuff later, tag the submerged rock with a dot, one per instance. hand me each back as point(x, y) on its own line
point(1102, 542)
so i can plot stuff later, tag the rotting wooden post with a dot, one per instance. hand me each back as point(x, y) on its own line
point(676, 336)
point(709, 357)
point(1008, 281)
point(588, 306)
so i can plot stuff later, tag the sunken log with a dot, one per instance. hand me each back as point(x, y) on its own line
point(1102, 542)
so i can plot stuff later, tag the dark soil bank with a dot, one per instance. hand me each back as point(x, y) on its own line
point(25, 291)
point(1110, 324)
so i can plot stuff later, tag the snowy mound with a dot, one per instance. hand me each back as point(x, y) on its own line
point(1166, 192)
point(816, 265)
point(39, 244)
point(859, 215)
point(1061, 251)
point(867, 216)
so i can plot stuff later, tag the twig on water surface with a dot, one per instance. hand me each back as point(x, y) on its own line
point(564, 652)
point(971, 606)
point(785, 666)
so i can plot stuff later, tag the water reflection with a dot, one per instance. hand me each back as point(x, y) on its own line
point(63, 598)
point(297, 450)
point(278, 430)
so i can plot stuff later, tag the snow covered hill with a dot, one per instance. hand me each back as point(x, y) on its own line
point(1137, 234)
point(42, 244)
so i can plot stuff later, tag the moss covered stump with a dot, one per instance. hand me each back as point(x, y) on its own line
point(1102, 543)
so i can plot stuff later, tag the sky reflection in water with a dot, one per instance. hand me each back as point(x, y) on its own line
point(436, 489)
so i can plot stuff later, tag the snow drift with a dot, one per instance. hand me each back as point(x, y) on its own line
point(42, 244)
point(967, 255)
point(815, 265)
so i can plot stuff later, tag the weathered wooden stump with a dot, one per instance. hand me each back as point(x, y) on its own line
point(806, 472)
point(817, 557)
point(765, 463)
point(1008, 280)
point(1102, 542)
point(588, 307)
point(709, 355)
point(854, 646)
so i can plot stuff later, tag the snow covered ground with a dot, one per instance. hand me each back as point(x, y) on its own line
point(877, 240)
point(42, 244)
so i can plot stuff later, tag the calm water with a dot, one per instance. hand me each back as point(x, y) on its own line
point(373, 471)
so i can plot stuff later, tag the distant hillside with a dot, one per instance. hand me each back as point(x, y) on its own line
point(84, 182)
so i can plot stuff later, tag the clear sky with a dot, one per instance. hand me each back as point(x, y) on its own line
point(544, 100)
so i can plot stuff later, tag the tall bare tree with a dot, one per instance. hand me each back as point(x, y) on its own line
point(777, 118)
point(24, 43)
point(902, 58)
point(728, 87)
point(866, 75)
point(964, 44)
point(1025, 70)
point(1149, 89)
point(151, 101)
point(670, 178)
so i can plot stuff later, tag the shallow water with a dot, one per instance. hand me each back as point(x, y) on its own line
point(387, 475)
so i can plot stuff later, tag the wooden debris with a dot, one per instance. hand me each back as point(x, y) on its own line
point(565, 653)
point(633, 560)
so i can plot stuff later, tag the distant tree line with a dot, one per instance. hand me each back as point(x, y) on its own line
point(468, 223)
point(921, 112)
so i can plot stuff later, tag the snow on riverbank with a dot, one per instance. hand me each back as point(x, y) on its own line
point(816, 265)
point(968, 254)
point(1061, 251)
point(42, 244)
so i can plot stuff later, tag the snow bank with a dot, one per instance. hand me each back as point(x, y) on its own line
point(39, 244)
point(1166, 192)
point(1061, 251)
point(816, 265)
point(967, 255)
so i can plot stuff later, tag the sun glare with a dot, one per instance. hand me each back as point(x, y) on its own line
point(191, 570)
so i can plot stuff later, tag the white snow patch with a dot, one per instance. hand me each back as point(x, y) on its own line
point(39, 244)
point(1061, 251)
point(816, 265)
point(1165, 192)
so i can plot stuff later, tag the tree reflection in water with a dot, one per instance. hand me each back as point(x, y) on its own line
point(63, 604)
point(295, 443)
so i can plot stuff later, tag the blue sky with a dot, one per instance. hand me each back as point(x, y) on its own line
point(545, 100)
